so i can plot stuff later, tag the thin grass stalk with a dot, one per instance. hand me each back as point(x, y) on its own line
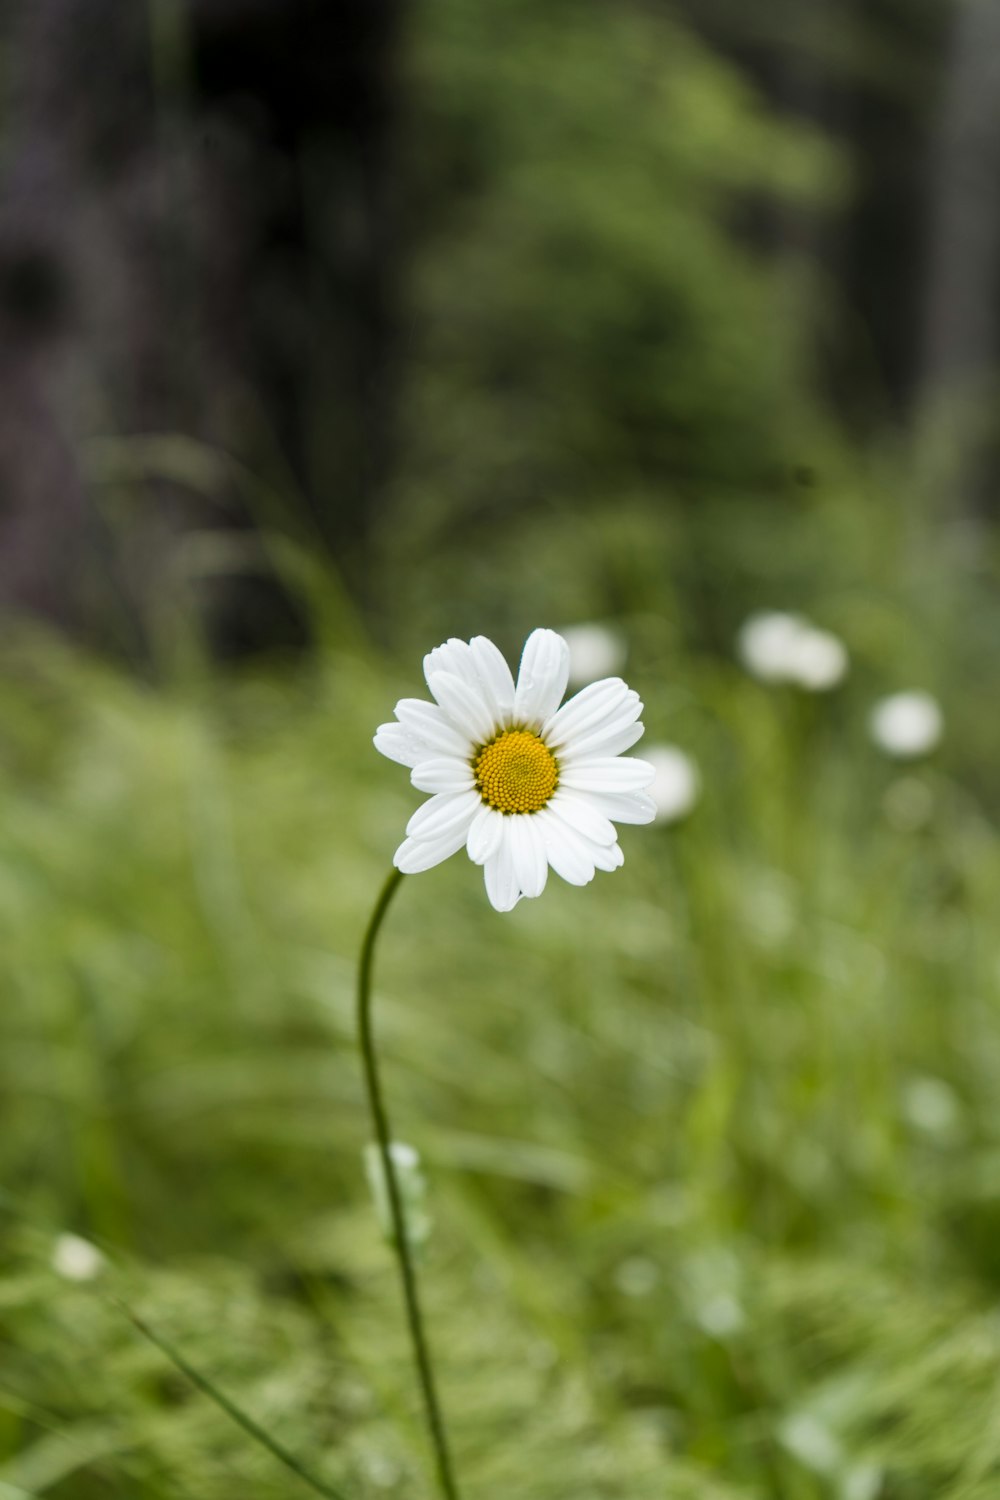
point(238, 1415)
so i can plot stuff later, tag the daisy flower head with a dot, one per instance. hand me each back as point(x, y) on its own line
point(518, 781)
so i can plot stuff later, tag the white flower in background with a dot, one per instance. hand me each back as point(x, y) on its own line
point(819, 660)
point(594, 651)
point(516, 780)
point(766, 644)
point(906, 725)
point(412, 1190)
point(777, 647)
point(676, 783)
point(76, 1259)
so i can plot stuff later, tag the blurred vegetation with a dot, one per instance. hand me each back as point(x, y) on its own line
point(589, 335)
point(712, 1144)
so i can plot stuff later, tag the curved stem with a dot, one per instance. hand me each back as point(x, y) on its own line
point(421, 1349)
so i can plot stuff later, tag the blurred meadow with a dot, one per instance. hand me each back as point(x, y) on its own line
point(331, 332)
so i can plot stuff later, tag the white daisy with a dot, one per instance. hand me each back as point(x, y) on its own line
point(516, 780)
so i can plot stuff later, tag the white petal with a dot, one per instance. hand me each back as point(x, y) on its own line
point(485, 834)
point(501, 882)
point(415, 855)
point(443, 814)
point(566, 854)
point(429, 723)
point(624, 807)
point(481, 666)
point(464, 705)
point(590, 708)
point(620, 733)
point(399, 744)
point(578, 810)
point(528, 849)
point(542, 678)
point(607, 858)
point(606, 774)
point(443, 774)
point(454, 656)
point(496, 682)
point(603, 856)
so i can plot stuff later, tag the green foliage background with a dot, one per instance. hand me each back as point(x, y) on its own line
point(586, 335)
point(712, 1144)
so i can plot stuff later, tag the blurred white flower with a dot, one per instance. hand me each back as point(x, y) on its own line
point(594, 651)
point(76, 1259)
point(819, 660)
point(779, 647)
point(766, 643)
point(412, 1190)
point(676, 785)
point(906, 725)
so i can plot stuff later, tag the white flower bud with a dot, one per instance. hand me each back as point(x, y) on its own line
point(412, 1191)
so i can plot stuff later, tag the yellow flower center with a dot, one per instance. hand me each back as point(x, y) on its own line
point(517, 773)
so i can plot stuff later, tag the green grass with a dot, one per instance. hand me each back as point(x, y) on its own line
point(712, 1144)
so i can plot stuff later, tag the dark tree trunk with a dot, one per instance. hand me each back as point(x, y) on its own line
point(963, 277)
point(196, 237)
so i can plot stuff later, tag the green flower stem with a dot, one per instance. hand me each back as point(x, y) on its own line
point(418, 1337)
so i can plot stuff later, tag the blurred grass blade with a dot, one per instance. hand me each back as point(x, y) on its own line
point(242, 1418)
